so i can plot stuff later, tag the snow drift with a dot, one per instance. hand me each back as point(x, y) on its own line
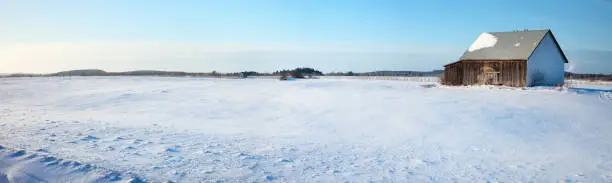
point(102, 129)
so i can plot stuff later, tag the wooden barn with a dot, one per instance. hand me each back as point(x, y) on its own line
point(520, 58)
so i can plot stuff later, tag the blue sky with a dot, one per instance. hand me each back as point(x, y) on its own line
point(266, 35)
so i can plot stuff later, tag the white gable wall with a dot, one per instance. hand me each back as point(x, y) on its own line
point(545, 65)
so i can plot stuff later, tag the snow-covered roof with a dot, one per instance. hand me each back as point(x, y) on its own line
point(516, 45)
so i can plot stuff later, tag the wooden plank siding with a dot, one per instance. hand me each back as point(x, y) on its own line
point(514, 73)
point(471, 70)
point(453, 74)
point(491, 72)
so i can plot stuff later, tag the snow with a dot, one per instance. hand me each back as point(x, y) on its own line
point(485, 40)
point(157, 129)
point(595, 85)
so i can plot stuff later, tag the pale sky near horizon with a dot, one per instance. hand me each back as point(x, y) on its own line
point(40, 36)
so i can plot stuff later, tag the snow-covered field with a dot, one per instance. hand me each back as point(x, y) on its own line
point(155, 129)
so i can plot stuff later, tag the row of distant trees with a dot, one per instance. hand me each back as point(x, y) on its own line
point(600, 77)
point(434, 73)
point(297, 72)
point(300, 72)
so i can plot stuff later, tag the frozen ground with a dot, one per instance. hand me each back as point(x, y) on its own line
point(133, 129)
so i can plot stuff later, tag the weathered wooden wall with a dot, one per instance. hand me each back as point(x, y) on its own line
point(453, 74)
point(471, 71)
point(507, 72)
point(514, 73)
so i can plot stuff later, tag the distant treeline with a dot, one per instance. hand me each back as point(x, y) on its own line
point(434, 73)
point(97, 72)
point(293, 72)
point(601, 77)
point(299, 72)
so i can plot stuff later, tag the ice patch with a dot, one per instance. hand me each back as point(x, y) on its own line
point(485, 40)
